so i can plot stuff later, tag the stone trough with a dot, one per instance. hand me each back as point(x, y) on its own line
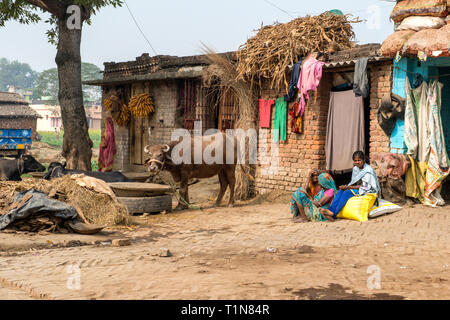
point(142, 198)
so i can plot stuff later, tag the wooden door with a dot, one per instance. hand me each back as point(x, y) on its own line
point(139, 129)
point(227, 111)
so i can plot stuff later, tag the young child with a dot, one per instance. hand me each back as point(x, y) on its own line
point(364, 180)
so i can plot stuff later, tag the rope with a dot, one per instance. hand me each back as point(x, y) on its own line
point(433, 77)
point(180, 198)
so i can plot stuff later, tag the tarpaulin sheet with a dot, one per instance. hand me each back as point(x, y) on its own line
point(37, 205)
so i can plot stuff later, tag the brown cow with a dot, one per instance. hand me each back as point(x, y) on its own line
point(160, 158)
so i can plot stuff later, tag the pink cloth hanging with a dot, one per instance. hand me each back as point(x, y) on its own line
point(310, 76)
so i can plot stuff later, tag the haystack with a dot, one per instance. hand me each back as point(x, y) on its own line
point(222, 75)
point(276, 47)
point(98, 208)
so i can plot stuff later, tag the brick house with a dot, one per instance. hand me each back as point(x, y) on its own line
point(306, 151)
point(175, 84)
point(166, 77)
point(15, 113)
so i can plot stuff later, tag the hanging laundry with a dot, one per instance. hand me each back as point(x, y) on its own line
point(361, 80)
point(424, 136)
point(438, 163)
point(415, 179)
point(309, 80)
point(296, 122)
point(265, 112)
point(418, 80)
point(345, 130)
point(410, 132)
point(280, 125)
point(293, 88)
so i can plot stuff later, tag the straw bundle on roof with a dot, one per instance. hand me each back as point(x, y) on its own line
point(222, 73)
point(276, 47)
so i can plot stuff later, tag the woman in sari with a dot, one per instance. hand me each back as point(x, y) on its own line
point(364, 181)
point(107, 148)
point(319, 193)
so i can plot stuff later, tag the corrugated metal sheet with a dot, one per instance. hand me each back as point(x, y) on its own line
point(340, 64)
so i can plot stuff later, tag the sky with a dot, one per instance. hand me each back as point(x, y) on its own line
point(179, 27)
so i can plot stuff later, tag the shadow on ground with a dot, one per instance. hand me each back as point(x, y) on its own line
point(338, 292)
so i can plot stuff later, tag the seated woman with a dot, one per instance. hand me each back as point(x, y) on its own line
point(364, 180)
point(319, 192)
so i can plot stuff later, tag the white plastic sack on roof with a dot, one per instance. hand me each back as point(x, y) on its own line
point(419, 23)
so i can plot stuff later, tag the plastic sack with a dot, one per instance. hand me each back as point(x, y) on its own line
point(358, 208)
point(430, 40)
point(395, 42)
point(383, 207)
point(407, 8)
point(420, 23)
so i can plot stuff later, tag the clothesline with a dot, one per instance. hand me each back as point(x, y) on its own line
point(433, 76)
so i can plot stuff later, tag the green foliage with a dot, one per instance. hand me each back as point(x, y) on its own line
point(96, 137)
point(16, 74)
point(28, 11)
point(94, 165)
point(49, 138)
point(47, 84)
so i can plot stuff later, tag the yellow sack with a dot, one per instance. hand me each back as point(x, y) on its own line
point(358, 207)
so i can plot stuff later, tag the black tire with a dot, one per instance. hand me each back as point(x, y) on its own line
point(147, 205)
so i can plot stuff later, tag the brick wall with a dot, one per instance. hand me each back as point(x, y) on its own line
point(19, 123)
point(304, 152)
point(162, 122)
point(301, 152)
point(381, 84)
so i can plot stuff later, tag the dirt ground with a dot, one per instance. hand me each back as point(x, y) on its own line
point(252, 251)
point(45, 153)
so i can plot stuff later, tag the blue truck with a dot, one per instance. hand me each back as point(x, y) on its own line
point(14, 142)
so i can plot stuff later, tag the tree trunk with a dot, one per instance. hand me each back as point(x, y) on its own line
point(77, 145)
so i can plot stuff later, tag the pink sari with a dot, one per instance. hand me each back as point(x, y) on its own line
point(107, 148)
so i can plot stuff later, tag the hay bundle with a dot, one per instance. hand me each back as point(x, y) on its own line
point(276, 47)
point(97, 208)
point(223, 75)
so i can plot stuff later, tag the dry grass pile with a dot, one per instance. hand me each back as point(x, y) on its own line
point(276, 196)
point(223, 75)
point(98, 208)
point(276, 47)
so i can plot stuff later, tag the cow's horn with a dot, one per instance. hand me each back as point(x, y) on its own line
point(146, 149)
point(166, 148)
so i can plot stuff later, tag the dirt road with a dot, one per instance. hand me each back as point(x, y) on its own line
point(222, 254)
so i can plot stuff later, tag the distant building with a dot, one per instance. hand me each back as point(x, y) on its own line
point(15, 113)
point(94, 117)
point(25, 94)
point(50, 116)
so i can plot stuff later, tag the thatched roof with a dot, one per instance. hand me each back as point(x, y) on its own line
point(9, 97)
point(274, 48)
point(13, 106)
